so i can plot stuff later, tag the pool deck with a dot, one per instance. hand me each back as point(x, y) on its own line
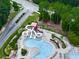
point(57, 52)
point(47, 35)
point(32, 52)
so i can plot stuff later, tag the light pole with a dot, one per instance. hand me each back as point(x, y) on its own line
point(72, 20)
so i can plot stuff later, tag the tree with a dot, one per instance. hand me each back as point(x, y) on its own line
point(38, 1)
point(16, 7)
point(59, 9)
point(23, 52)
point(66, 21)
point(70, 2)
point(75, 25)
point(4, 11)
point(44, 15)
point(68, 24)
point(56, 18)
point(43, 5)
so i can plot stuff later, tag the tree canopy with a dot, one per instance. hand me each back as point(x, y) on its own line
point(4, 11)
point(44, 15)
point(15, 5)
point(70, 2)
point(67, 22)
point(44, 4)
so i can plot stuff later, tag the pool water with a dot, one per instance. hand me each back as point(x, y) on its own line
point(45, 48)
point(74, 55)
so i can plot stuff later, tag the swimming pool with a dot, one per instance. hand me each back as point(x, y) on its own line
point(45, 48)
point(74, 55)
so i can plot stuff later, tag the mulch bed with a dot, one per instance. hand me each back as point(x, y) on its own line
point(57, 27)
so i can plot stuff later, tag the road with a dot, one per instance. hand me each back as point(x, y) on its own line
point(29, 8)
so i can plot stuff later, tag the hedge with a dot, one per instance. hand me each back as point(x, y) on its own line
point(23, 52)
point(73, 39)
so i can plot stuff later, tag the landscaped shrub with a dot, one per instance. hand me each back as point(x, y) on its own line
point(63, 44)
point(53, 35)
point(8, 50)
point(7, 57)
point(23, 52)
point(73, 39)
point(1, 53)
point(21, 58)
point(60, 39)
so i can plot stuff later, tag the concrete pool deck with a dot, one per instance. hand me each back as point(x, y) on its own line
point(57, 54)
point(33, 51)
